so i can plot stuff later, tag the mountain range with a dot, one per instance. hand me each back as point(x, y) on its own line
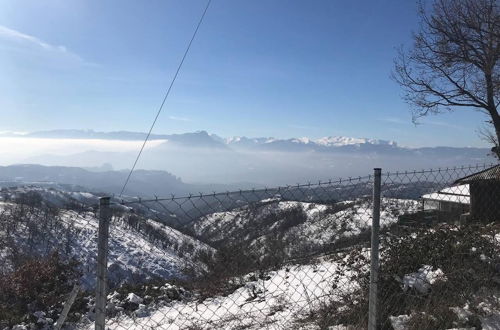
point(202, 139)
point(201, 158)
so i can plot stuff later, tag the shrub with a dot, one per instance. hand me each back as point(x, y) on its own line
point(36, 285)
point(467, 255)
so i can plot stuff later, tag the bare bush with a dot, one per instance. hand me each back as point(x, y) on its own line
point(37, 285)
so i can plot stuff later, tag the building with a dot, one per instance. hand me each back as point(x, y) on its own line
point(454, 200)
point(484, 191)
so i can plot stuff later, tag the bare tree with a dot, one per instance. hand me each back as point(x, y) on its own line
point(487, 134)
point(454, 60)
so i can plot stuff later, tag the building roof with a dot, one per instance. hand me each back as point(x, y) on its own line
point(456, 194)
point(492, 173)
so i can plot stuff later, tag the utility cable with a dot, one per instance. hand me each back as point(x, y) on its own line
point(165, 98)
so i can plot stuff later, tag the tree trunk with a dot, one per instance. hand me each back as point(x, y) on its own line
point(496, 124)
point(492, 109)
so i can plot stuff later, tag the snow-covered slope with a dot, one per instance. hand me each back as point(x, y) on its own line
point(139, 248)
point(298, 225)
point(48, 195)
point(131, 255)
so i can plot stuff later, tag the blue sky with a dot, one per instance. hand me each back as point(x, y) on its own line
point(282, 68)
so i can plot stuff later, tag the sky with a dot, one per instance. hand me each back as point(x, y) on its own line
point(281, 68)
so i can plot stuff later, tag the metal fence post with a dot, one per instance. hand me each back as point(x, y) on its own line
point(102, 263)
point(374, 264)
point(67, 307)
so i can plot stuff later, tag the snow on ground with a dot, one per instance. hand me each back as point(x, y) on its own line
point(422, 280)
point(275, 302)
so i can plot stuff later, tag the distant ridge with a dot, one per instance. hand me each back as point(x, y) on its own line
point(198, 136)
point(145, 182)
point(203, 139)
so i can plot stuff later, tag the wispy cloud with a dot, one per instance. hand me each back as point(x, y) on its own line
point(28, 147)
point(7, 33)
point(423, 121)
point(442, 124)
point(22, 40)
point(395, 120)
point(179, 118)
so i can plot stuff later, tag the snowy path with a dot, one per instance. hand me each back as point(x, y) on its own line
point(286, 296)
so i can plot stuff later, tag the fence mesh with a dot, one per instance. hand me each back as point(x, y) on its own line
point(294, 257)
point(440, 264)
point(267, 258)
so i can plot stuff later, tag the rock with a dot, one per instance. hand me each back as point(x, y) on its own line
point(171, 291)
point(39, 314)
point(113, 296)
point(142, 311)
point(133, 298)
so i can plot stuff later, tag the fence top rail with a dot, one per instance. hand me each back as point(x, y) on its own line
point(320, 183)
point(441, 169)
point(278, 189)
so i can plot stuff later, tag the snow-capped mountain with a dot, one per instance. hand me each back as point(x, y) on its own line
point(329, 143)
point(209, 141)
point(203, 139)
point(343, 141)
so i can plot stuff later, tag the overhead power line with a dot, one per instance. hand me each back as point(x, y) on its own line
point(166, 96)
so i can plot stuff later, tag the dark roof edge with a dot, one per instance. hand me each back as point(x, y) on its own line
point(480, 175)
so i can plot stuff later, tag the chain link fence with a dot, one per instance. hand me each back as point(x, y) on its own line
point(266, 258)
point(440, 266)
point(294, 257)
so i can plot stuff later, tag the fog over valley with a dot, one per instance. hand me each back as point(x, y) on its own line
point(203, 158)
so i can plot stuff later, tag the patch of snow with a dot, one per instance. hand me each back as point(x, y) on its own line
point(423, 279)
point(303, 140)
point(399, 322)
point(462, 313)
point(20, 327)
